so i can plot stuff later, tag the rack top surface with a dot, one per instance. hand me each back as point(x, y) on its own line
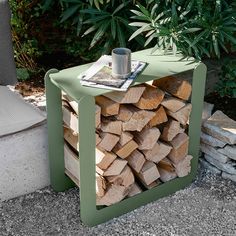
point(158, 66)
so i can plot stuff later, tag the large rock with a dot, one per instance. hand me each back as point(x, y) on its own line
point(221, 127)
point(229, 151)
point(227, 167)
point(209, 166)
point(208, 139)
point(229, 176)
point(214, 153)
point(207, 110)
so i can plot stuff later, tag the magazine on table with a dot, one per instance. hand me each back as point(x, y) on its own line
point(99, 75)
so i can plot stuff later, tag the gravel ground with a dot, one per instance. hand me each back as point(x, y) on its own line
point(206, 207)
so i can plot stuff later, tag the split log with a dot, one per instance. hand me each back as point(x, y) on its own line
point(72, 177)
point(98, 111)
point(183, 167)
point(73, 104)
point(72, 169)
point(116, 167)
point(114, 194)
point(113, 127)
point(98, 139)
point(182, 115)
point(108, 141)
point(71, 137)
point(149, 173)
point(124, 114)
point(70, 119)
point(166, 164)
point(125, 178)
point(108, 107)
point(104, 159)
point(159, 118)
point(136, 160)
point(147, 138)
point(166, 175)
point(100, 171)
point(152, 185)
point(158, 152)
point(151, 98)
point(132, 95)
point(71, 162)
point(138, 120)
point(171, 129)
point(134, 190)
point(180, 148)
point(100, 185)
point(177, 87)
point(125, 137)
point(126, 150)
point(172, 104)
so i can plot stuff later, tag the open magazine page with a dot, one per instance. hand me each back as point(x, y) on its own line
point(99, 75)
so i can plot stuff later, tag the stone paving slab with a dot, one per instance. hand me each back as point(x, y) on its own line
point(221, 127)
point(207, 207)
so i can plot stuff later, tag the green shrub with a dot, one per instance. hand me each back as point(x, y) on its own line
point(195, 28)
point(106, 22)
point(227, 80)
point(22, 74)
point(26, 50)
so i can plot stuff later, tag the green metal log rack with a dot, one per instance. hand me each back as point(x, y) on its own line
point(67, 80)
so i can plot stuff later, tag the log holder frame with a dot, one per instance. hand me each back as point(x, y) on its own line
point(66, 80)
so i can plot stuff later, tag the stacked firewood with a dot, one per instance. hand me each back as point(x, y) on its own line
point(141, 138)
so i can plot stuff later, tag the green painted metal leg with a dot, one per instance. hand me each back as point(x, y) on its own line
point(198, 90)
point(87, 159)
point(59, 180)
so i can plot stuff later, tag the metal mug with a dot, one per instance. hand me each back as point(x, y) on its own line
point(121, 63)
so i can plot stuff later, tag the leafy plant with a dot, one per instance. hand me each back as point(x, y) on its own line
point(106, 21)
point(227, 80)
point(109, 22)
point(22, 74)
point(25, 46)
point(196, 28)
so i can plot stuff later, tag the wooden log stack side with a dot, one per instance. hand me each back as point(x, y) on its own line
point(140, 139)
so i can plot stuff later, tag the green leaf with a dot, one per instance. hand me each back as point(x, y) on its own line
point(113, 28)
point(144, 10)
point(150, 38)
point(69, 12)
point(96, 3)
point(119, 8)
point(89, 30)
point(154, 49)
point(230, 37)
point(198, 38)
point(234, 93)
point(138, 13)
point(79, 26)
point(138, 24)
point(100, 32)
point(150, 32)
point(22, 73)
point(139, 31)
point(191, 30)
point(121, 36)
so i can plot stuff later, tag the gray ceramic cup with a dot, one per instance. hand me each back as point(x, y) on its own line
point(121, 63)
